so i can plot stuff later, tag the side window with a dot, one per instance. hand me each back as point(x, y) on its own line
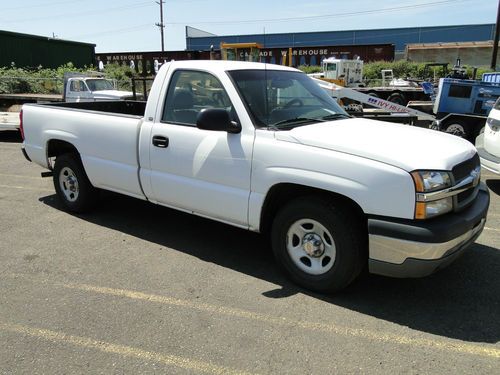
point(189, 93)
point(460, 91)
point(75, 86)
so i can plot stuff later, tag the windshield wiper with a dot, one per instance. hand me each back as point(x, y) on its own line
point(335, 116)
point(295, 121)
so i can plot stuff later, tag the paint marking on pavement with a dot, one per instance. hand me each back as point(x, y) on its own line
point(484, 350)
point(25, 188)
point(21, 176)
point(492, 229)
point(125, 351)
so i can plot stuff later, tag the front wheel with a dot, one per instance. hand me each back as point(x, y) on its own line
point(72, 184)
point(320, 244)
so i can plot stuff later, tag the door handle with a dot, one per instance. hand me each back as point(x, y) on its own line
point(160, 141)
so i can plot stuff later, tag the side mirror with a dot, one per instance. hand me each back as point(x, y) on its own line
point(216, 119)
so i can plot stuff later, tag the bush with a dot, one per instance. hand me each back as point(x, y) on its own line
point(310, 69)
point(15, 80)
point(121, 74)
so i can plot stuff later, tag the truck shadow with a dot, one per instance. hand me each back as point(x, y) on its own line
point(460, 302)
point(494, 186)
point(10, 136)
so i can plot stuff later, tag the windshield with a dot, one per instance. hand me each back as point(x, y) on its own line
point(99, 84)
point(284, 99)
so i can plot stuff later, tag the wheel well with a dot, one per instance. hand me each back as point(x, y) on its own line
point(56, 147)
point(281, 194)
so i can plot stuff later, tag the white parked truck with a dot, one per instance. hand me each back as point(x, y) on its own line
point(342, 72)
point(264, 148)
point(79, 87)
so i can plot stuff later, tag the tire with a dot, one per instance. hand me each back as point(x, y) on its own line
point(457, 127)
point(397, 98)
point(72, 184)
point(319, 244)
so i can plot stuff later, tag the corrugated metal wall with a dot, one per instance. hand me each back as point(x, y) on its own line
point(400, 37)
point(475, 54)
point(32, 51)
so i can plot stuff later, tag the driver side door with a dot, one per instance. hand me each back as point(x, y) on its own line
point(201, 171)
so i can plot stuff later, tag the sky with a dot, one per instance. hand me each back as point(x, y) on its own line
point(129, 25)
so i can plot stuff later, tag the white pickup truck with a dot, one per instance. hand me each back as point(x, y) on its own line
point(81, 88)
point(262, 147)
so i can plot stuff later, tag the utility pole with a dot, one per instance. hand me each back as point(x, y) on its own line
point(495, 42)
point(161, 25)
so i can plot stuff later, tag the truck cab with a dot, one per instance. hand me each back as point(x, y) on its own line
point(241, 51)
point(342, 72)
point(91, 89)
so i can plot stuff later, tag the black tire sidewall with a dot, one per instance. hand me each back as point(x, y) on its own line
point(86, 194)
point(397, 98)
point(466, 128)
point(345, 234)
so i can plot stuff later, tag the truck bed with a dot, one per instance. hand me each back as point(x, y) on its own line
point(123, 107)
point(104, 133)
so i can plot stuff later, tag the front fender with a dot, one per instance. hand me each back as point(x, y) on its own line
point(377, 188)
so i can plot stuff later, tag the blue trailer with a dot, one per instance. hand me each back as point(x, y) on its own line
point(462, 105)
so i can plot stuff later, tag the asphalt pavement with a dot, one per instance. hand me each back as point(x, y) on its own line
point(134, 288)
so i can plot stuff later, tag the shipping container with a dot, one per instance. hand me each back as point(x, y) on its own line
point(32, 51)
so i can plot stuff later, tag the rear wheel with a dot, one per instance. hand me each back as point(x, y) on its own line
point(458, 127)
point(72, 184)
point(397, 98)
point(319, 244)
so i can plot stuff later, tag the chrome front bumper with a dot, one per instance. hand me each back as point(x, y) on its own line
point(409, 249)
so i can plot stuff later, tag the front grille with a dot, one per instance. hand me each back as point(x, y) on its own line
point(461, 171)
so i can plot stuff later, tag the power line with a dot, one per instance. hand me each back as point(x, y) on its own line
point(83, 13)
point(44, 4)
point(112, 32)
point(323, 16)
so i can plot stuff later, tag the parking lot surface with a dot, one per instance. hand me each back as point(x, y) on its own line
point(136, 288)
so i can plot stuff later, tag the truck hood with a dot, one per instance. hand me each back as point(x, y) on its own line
point(112, 94)
point(402, 146)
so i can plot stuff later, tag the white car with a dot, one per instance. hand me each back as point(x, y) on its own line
point(488, 142)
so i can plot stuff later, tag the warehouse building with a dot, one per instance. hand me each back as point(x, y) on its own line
point(310, 48)
point(31, 51)
point(202, 41)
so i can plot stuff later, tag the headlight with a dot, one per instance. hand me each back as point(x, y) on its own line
point(427, 182)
